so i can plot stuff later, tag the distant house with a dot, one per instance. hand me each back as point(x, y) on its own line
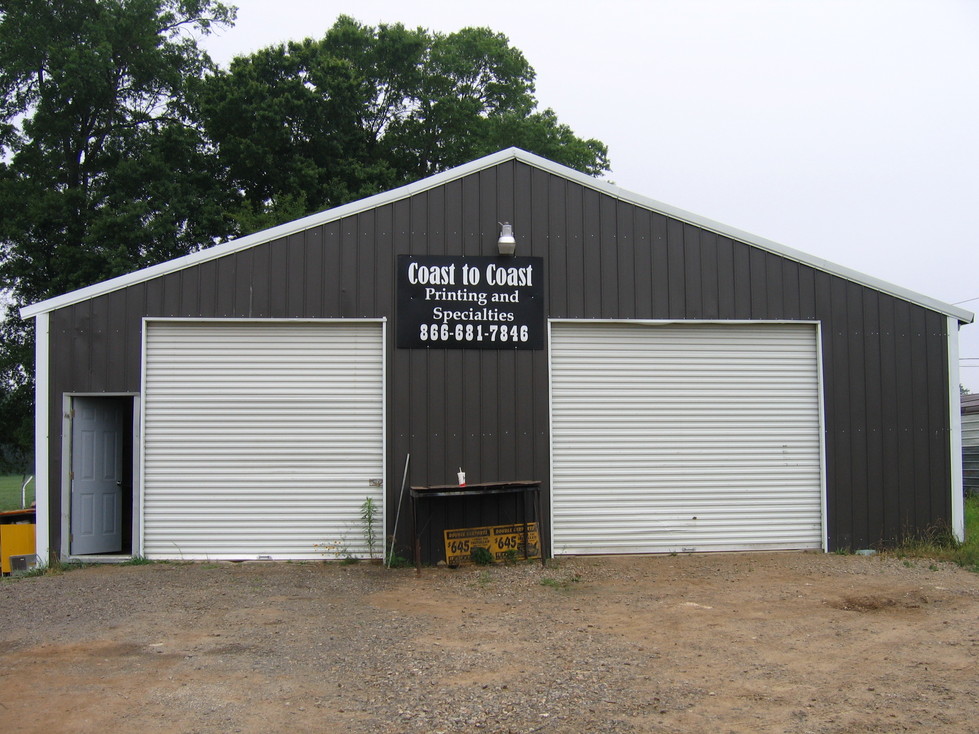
point(970, 444)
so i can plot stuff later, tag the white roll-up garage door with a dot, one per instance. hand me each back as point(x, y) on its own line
point(684, 437)
point(261, 439)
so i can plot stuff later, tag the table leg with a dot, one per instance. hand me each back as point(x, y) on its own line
point(541, 537)
point(414, 532)
point(526, 530)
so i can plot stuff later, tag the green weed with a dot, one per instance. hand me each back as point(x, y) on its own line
point(338, 550)
point(137, 561)
point(55, 568)
point(939, 544)
point(562, 584)
point(481, 556)
point(395, 559)
point(368, 521)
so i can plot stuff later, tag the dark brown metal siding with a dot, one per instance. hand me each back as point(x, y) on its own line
point(884, 360)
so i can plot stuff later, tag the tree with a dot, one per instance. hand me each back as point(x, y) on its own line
point(16, 398)
point(309, 125)
point(105, 167)
point(102, 169)
point(122, 146)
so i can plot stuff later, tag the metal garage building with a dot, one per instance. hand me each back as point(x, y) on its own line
point(970, 444)
point(675, 384)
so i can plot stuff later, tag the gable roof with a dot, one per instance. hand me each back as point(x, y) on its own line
point(439, 179)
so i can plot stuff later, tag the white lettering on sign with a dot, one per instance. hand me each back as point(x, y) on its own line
point(436, 294)
point(483, 314)
point(473, 333)
point(446, 275)
point(431, 274)
point(470, 302)
point(497, 275)
point(470, 275)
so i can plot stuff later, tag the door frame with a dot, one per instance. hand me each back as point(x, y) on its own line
point(141, 407)
point(820, 392)
point(67, 414)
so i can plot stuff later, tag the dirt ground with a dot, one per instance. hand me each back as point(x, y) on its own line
point(773, 642)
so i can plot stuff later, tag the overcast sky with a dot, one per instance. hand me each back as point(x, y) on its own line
point(842, 128)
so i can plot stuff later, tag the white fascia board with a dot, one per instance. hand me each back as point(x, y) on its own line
point(733, 233)
point(955, 433)
point(42, 447)
point(439, 179)
point(266, 235)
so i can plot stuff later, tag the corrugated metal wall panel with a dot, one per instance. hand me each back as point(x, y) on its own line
point(970, 453)
point(260, 439)
point(684, 437)
point(346, 270)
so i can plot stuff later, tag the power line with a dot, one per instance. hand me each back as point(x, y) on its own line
point(967, 300)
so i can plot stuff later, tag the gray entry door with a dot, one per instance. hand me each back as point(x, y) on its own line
point(96, 485)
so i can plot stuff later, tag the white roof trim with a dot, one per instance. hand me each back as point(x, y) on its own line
point(331, 215)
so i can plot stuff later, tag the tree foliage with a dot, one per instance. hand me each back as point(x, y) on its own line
point(304, 126)
point(102, 167)
point(105, 166)
point(121, 145)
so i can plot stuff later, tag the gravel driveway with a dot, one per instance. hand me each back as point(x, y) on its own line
point(787, 642)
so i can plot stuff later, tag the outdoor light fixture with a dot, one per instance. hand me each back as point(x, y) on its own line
point(506, 243)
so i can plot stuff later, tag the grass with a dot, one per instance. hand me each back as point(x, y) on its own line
point(55, 569)
point(936, 546)
point(562, 584)
point(481, 556)
point(10, 492)
point(137, 561)
point(941, 546)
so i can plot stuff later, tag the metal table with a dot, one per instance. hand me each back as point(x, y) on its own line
point(525, 487)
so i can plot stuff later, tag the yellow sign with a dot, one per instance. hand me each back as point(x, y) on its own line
point(503, 542)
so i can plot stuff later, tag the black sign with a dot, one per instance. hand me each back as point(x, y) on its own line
point(470, 302)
